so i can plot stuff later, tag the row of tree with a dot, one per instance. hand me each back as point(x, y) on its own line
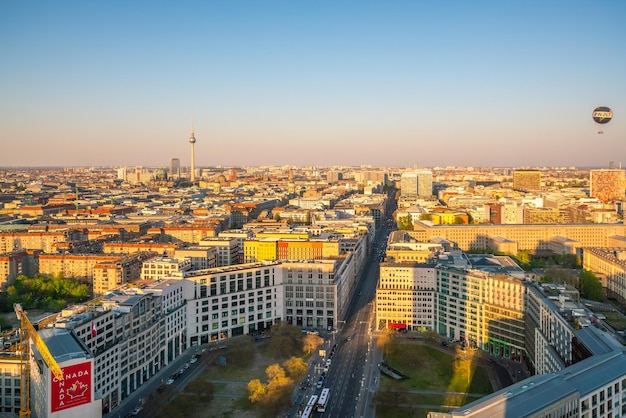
point(274, 396)
point(51, 293)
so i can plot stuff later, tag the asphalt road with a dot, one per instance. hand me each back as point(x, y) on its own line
point(353, 374)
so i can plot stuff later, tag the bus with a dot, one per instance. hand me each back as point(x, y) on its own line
point(309, 407)
point(323, 400)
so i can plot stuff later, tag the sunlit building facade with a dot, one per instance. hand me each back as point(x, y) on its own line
point(607, 185)
point(527, 180)
point(405, 296)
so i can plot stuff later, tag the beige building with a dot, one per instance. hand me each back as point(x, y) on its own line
point(528, 237)
point(609, 264)
point(45, 241)
point(108, 275)
point(9, 383)
point(78, 266)
point(119, 247)
point(527, 180)
point(405, 296)
point(534, 215)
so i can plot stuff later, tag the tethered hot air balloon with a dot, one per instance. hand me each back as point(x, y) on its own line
point(602, 115)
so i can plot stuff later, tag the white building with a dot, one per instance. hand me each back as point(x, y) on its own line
point(228, 301)
point(72, 397)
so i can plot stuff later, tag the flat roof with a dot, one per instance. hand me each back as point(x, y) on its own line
point(63, 345)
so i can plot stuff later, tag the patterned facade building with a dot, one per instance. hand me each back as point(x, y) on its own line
point(608, 185)
point(527, 180)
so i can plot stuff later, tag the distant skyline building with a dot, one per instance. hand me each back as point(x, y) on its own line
point(175, 167)
point(192, 141)
point(418, 183)
point(527, 180)
point(608, 184)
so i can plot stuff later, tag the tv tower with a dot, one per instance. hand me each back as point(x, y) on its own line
point(192, 141)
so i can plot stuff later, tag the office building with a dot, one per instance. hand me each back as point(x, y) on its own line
point(174, 168)
point(405, 296)
point(417, 183)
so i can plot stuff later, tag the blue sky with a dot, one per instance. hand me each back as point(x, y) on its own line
point(398, 83)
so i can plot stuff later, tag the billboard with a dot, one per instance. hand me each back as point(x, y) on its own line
point(73, 390)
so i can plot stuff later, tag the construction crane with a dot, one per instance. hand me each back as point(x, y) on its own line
point(28, 331)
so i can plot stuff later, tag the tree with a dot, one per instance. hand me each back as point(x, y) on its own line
point(590, 286)
point(523, 257)
point(311, 342)
point(405, 223)
point(295, 367)
point(562, 276)
point(286, 340)
point(256, 390)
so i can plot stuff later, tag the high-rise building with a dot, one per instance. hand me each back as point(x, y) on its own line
point(408, 184)
point(424, 183)
point(607, 185)
point(175, 168)
point(418, 183)
point(527, 180)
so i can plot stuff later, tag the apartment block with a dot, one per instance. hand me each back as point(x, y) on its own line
point(119, 247)
point(108, 275)
point(227, 249)
point(159, 267)
point(44, 241)
point(269, 249)
point(79, 266)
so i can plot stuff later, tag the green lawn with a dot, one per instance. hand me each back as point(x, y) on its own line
point(432, 370)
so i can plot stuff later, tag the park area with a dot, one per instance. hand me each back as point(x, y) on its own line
point(247, 379)
point(438, 380)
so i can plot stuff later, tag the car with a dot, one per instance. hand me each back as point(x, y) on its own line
point(193, 360)
point(170, 381)
point(135, 411)
point(328, 362)
point(320, 383)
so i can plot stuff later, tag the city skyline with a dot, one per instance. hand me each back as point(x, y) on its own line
point(275, 83)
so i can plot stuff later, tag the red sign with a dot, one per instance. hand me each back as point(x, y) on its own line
point(74, 389)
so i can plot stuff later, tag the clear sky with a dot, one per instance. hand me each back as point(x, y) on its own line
point(387, 83)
